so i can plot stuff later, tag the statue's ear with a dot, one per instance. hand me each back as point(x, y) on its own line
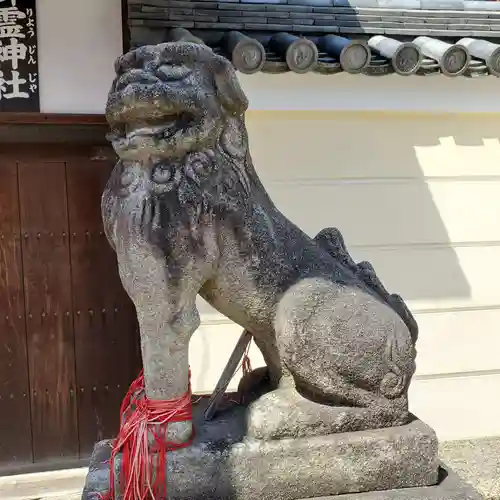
point(228, 88)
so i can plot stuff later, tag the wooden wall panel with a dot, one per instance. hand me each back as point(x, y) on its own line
point(47, 282)
point(15, 420)
point(106, 332)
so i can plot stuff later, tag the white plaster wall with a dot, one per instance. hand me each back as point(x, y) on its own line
point(344, 92)
point(78, 42)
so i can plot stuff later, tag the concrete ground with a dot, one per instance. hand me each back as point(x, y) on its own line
point(56, 485)
point(476, 461)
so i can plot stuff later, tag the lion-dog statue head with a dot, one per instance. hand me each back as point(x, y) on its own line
point(176, 112)
point(172, 99)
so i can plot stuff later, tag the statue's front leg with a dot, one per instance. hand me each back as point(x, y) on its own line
point(165, 334)
point(167, 316)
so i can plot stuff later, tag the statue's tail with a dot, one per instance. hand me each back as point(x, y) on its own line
point(332, 241)
point(401, 366)
point(367, 274)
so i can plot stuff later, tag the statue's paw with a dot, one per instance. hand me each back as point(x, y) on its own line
point(284, 413)
point(267, 417)
point(177, 432)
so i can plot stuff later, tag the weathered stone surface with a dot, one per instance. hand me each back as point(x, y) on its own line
point(450, 487)
point(223, 464)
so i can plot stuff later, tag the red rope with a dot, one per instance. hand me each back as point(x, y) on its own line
point(246, 365)
point(143, 468)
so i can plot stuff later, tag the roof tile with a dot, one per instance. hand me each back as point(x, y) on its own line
point(438, 20)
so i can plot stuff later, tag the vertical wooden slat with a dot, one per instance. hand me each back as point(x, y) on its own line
point(15, 421)
point(106, 335)
point(47, 282)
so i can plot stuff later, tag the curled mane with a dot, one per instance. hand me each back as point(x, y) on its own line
point(177, 113)
point(204, 188)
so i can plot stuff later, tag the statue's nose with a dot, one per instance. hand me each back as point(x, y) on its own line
point(135, 76)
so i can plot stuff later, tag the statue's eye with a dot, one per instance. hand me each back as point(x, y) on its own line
point(128, 61)
point(161, 175)
point(173, 73)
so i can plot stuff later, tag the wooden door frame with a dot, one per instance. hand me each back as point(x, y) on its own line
point(52, 118)
point(46, 128)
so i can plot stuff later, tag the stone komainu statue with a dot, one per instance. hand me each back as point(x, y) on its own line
point(187, 214)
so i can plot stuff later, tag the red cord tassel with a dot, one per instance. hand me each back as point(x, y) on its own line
point(143, 468)
point(246, 365)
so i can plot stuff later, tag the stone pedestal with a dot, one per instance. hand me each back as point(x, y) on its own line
point(397, 462)
point(450, 487)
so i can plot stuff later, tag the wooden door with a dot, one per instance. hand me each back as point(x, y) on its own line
point(69, 343)
point(15, 412)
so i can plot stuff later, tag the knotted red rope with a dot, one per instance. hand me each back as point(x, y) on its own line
point(143, 468)
point(246, 365)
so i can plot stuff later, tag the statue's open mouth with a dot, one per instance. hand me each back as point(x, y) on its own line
point(163, 127)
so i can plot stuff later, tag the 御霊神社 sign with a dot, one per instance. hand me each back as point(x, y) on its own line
point(19, 79)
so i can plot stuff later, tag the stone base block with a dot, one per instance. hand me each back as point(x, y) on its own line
point(450, 487)
point(224, 464)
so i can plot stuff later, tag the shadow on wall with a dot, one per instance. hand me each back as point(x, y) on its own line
point(407, 193)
